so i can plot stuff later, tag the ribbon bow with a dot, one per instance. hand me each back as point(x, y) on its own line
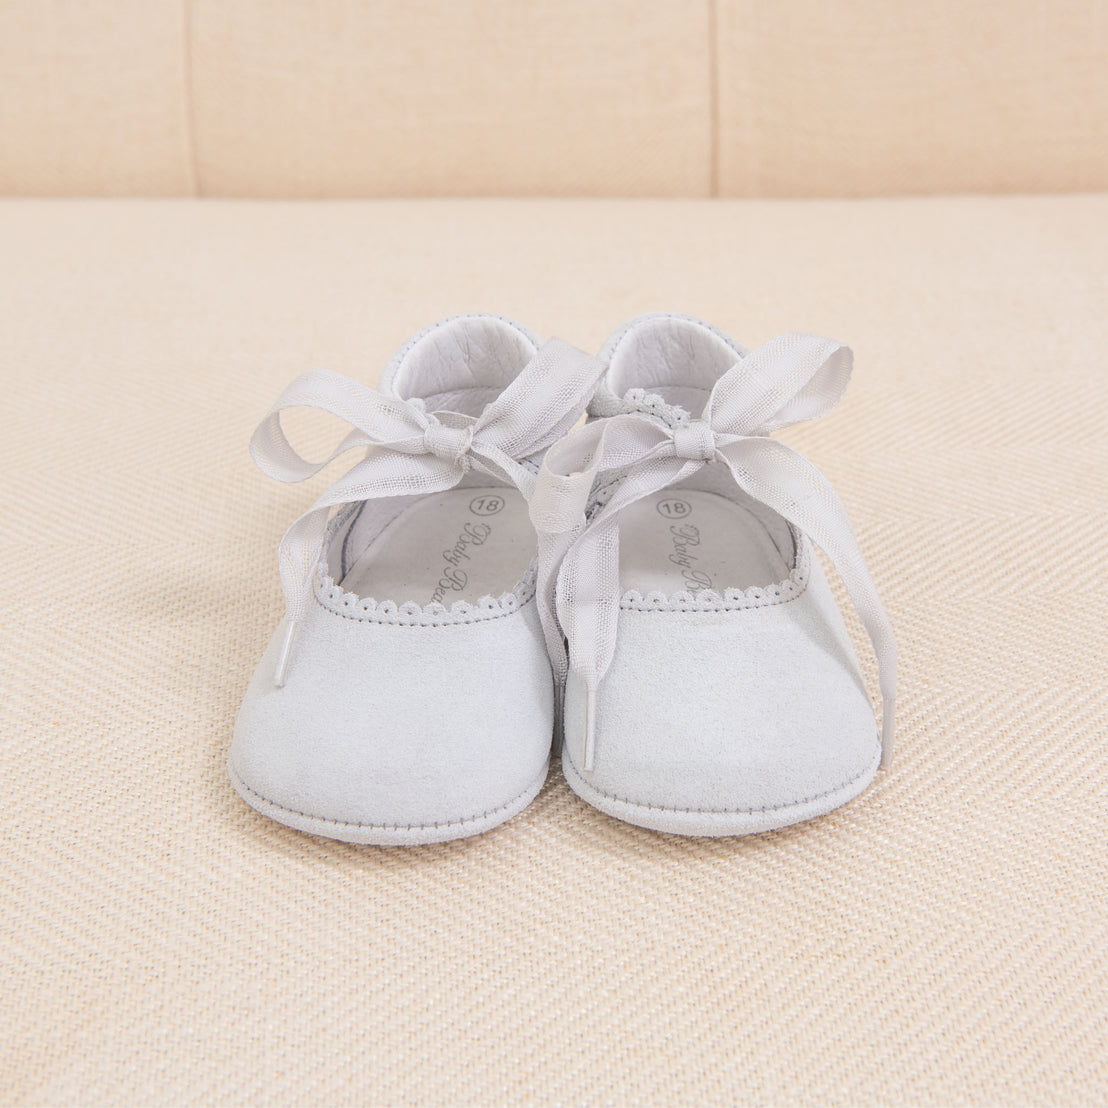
point(790, 379)
point(410, 451)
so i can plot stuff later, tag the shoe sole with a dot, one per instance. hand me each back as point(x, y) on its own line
point(717, 824)
point(368, 834)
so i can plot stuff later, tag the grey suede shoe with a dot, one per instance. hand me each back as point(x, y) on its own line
point(710, 684)
point(407, 696)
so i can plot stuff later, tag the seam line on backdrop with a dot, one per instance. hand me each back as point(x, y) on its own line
point(713, 97)
point(189, 107)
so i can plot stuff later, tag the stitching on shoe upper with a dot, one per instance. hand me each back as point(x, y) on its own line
point(731, 600)
point(387, 826)
point(411, 615)
point(566, 757)
point(334, 598)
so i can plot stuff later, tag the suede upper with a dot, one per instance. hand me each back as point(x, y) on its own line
point(742, 713)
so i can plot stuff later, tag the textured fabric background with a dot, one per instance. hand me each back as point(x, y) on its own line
point(941, 940)
point(584, 97)
point(94, 98)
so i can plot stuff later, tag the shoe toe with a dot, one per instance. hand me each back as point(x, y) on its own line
point(726, 723)
point(397, 735)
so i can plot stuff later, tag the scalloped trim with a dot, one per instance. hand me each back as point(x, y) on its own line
point(730, 600)
point(410, 614)
point(642, 402)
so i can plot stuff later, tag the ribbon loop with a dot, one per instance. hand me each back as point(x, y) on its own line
point(788, 380)
point(413, 451)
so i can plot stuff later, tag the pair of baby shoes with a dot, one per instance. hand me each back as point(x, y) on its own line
point(486, 581)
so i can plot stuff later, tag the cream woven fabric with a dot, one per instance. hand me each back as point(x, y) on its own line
point(943, 939)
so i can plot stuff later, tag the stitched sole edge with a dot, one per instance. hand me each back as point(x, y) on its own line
point(368, 834)
point(717, 824)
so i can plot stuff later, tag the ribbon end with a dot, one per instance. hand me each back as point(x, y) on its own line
point(888, 728)
point(590, 728)
point(282, 669)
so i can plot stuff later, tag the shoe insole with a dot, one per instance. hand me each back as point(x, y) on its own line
point(683, 540)
point(457, 545)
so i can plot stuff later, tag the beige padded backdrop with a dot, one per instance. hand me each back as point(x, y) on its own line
point(604, 97)
point(315, 98)
point(868, 97)
point(94, 98)
point(942, 940)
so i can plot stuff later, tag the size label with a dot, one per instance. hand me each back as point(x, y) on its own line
point(674, 509)
point(486, 505)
